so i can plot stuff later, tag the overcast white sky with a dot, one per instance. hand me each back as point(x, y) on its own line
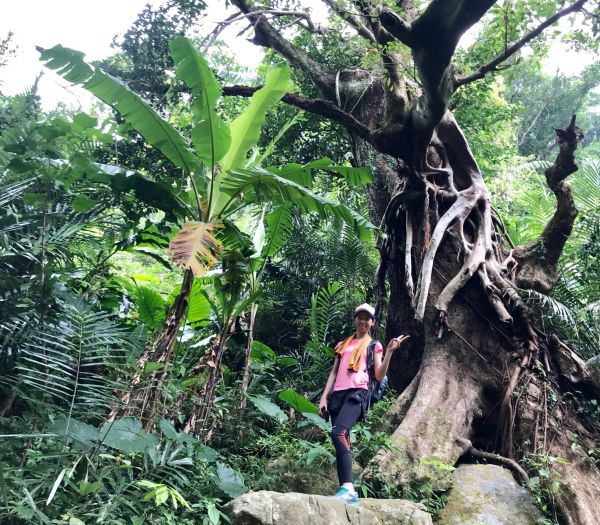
point(86, 25)
point(90, 26)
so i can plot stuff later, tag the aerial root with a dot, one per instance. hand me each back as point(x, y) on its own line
point(511, 464)
point(459, 211)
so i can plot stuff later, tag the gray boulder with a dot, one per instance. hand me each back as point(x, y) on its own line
point(273, 508)
point(487, 495)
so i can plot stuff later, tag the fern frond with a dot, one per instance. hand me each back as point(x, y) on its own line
point(323, 311)
point(70, 359)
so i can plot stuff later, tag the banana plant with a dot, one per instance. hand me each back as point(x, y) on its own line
point(215, 166)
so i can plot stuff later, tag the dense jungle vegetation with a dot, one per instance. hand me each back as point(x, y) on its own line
point(177, 263)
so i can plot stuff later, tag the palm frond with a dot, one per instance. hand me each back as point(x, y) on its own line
point(551, 307)
point(323, 311)
point(586, 186)
point(260, 185)
point(13, 191)
point(70, 359)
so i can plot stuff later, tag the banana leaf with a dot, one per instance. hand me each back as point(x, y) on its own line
point(70, 64)
point(210, 136)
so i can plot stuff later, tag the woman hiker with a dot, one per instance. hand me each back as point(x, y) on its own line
point(346, 395)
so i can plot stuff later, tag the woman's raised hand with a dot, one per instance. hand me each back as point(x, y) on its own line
point(396, 342)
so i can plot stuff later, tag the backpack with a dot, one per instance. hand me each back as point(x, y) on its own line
point(376, 388)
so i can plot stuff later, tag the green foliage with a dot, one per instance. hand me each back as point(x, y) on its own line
point(68, 358)
point(267, 407)
point(323, 310)
point(245, 129)
point(544, 102)
point(297, 402)
point(545, 485)
point(159, 133)
point(211, 136)
point(230, 481)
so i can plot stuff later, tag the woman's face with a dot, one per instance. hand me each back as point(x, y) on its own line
point(363, 322)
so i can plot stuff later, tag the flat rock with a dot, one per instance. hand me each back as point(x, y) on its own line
point(273, 508)
point(397, 511)
point(487, 495)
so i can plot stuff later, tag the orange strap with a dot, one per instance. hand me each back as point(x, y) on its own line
point(357, 354)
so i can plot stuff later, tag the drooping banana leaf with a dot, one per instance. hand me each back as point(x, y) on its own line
point(152, 193)
point(70, 64)
point(260, 185)
point(194, 247)
point(303, 173)
point(210, 136)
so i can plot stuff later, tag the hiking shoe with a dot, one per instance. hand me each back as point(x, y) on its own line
point(346, 496)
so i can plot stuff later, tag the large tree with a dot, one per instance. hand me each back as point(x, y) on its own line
point(448, 273)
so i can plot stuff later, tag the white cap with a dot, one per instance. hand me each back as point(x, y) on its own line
point(365, 308)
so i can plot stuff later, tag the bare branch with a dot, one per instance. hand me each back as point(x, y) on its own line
point(318, 106)
point(408, 246)
point(433, 37)
point(352, 19)
point(267, 36)
point(396, 26)
point(493, 64)
point(538, 260)
point(304, 15)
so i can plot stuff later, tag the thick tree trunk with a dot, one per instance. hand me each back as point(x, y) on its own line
point(454, 391)
point(458, 374)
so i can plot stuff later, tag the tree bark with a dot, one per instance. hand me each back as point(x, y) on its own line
point(143, 398)
point(198, 421)
point(246, 374)
point(462, 362)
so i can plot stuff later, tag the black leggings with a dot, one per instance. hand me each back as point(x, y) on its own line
point(342, 422)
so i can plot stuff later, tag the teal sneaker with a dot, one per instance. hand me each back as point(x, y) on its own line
point(346, 496)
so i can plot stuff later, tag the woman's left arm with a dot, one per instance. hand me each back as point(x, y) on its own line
point(382, 363)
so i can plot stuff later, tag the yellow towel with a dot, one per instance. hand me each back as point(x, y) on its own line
point(358, 352)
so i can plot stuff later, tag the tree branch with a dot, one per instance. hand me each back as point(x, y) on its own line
point(433, 37)
point(304, 15)
point(352, 19)
point(538, 260)
point(396, 26)
point(493, 64)
point(318, 106)
point(267, 36)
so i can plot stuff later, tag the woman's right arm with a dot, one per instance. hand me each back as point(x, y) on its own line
point(328, 387)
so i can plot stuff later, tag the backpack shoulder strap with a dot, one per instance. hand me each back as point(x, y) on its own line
point(371, 354)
